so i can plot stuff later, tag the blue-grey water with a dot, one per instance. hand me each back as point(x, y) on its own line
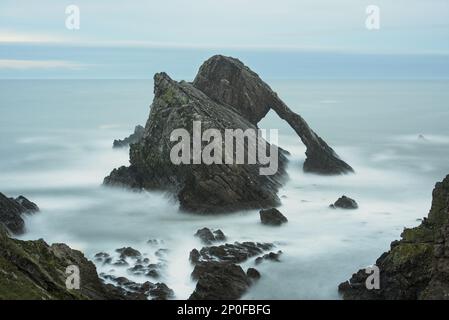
point(56, 148)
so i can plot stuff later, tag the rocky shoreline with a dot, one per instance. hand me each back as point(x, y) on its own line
point(11, 211)
point(417, 266)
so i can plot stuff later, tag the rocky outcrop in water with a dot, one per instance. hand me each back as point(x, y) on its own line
point(232, 252)
point(201, 187)
point(35, 270)
point(219, 281)
point(229, 82)
point(208, 237)
point(217, 271)
point(224, 95)
point(345, 203)
point(417, 266)
point(11, 211)
point(272, 217)
point(133, 138)
point(140, 291)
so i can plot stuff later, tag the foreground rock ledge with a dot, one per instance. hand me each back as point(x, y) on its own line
point(417, 266)
point(33, 270)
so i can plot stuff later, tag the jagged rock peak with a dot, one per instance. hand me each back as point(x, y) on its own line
point(229, 82)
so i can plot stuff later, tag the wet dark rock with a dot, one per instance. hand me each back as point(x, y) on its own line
point(219, 281)
point(133, 138)
point(229, 82)
point(272, 217)
point(272, 256)
point(208, 237)
point(161, 292)
point(153, 273)
point(235, 253)
point(101, 255)
point(120, 263)
point(27, 204)
point(123, 176)
point(417, 266)
point(253, 274)
point(194, 256)
point(128, 252)
point(141, 291)
point(137, 269)
point(345, 203)
point(11, 211)
point(219, 235)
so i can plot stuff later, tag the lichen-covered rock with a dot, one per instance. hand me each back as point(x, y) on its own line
point(133, 138)
point(228, 81)
point(201, 188)
point(417, 266)
point(11, 211)
point(272, 217)
point(35, 270)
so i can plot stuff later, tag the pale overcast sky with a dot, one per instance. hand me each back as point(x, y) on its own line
point(33, 35)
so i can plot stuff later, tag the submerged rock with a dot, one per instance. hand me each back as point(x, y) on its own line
point(417, 266)
point(345, 203)
point(37, 271)
point(11, 211)
point(208, 237)
point(272, 256)
point(272, 217)
point(133, 138)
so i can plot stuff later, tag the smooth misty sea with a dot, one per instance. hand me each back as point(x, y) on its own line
point(56, 147)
